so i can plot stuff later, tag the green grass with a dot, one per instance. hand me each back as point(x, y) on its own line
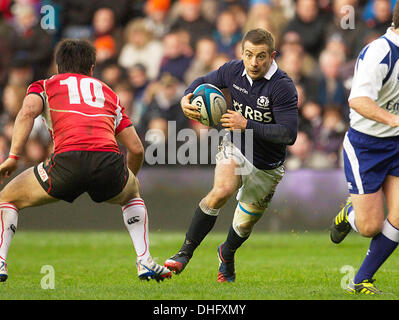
point(101, 265)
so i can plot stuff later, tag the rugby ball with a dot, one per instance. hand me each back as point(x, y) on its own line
point(210, 102)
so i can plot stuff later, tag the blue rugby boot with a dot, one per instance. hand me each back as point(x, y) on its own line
point(178, 262)
point(226, 268)
point(148, 270)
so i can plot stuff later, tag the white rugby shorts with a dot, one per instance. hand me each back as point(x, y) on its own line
point(258, 186)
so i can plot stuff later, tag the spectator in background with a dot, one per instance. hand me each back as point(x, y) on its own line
point(191, 19)
point(227, 33)
point(311, 117)
point(292, 42)
point(259, 15)
point(141, 47)
point(332, 132)
point(104, 27)
point(165, 106)
point(174, 61)
point(303, 123)
point(111, 73)
point(368, 9)
point(13, 97)
point(126, 97)
point(76, 18)
point(352, 35)
point(35, 152)
point(185, 40)
point(330, 88)
point(30, 43)
point(205, 53)
point(382, 17)
point(239, 11)
point(20, 72)
point(302, 155)
point(268, 15)
point(7, 130)
point(157, 17)
point(105, 52)
point(291, 61)
point(310, 26)
point(138, 80)
point(5, 50)
point(4, 148)
point(219, 60)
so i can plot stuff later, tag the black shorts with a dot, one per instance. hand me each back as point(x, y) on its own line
point(65, 176)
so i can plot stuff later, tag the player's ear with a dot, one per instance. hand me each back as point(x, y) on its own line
point(273, 55)
point(91, 70)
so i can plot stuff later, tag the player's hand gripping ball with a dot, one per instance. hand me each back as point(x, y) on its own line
point(211, 104)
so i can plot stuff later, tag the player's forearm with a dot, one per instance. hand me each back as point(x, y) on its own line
point(135, 161)
point(366, 107)
point(274, 133)
point(22, 129)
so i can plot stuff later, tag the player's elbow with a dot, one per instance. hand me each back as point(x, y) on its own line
point(289, 136)
point(137, 150)
point(359, 102)
point(31, 107)
point(291, 140)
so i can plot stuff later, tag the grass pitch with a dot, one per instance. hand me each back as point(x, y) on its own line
point(269, 266)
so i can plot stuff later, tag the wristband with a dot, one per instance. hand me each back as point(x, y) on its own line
point(13, 156)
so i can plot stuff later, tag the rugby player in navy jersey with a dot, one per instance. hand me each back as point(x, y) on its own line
point(264, 100)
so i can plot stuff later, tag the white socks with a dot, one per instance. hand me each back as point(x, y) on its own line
point(8, 226)
point(136, 221)
point(351, 218)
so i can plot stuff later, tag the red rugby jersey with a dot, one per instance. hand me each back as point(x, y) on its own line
point(81, 112)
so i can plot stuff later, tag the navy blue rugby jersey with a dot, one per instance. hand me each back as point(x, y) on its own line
point(270, 104)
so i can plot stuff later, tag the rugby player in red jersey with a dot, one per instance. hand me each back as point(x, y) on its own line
point(86, 122)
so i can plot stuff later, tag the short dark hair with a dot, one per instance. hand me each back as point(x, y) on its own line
point(75, 56)
point(259, 36)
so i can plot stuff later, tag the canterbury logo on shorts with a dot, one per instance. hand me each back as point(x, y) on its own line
point(42, 173)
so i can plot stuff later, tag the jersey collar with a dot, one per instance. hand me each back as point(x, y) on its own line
point(392, 36)
point(272, 70)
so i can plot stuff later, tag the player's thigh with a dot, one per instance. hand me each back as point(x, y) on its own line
point(25, 191)
point(226, 180)
point(130, 191)
point(391, 191)
point(369, 212)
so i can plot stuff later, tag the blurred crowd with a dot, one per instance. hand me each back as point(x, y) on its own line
point(149, 51)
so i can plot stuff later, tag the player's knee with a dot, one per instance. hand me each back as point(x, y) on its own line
point(4, 197)
point(245, 217)
point(369, 229)
point(244, 229)
point(222, 193)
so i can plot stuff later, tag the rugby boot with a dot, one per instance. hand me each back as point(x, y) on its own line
point(341, 227)
point(148, 270)
point(178, 262)
point(226, 268)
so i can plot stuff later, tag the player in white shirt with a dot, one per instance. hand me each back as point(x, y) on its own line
point(371, 156)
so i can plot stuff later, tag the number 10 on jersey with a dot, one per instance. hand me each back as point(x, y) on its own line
point(91, 90)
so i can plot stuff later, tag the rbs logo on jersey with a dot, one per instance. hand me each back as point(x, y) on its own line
point(253, 114)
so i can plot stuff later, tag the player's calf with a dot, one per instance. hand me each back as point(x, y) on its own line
point(201, 224)
point(245, 217)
